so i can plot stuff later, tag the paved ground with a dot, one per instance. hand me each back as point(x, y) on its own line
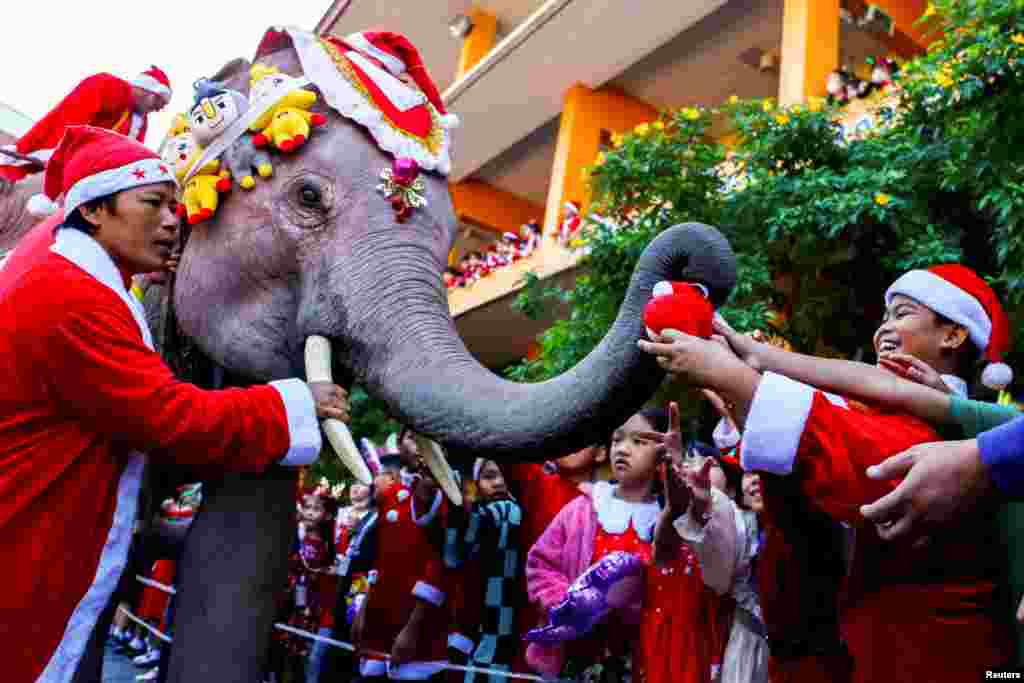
point(118, 668)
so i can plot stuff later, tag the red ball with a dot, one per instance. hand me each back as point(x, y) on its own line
point(686, 309)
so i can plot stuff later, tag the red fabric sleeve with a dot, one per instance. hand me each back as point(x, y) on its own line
point(103, 373)
point(828, 443)
point(95, 98)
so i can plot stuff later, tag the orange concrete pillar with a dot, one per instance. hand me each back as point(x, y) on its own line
point(586, 115)
point(486, 206)
point(479, 41)
point(810, 48)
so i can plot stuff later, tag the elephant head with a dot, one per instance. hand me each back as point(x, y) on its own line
point(316, 250)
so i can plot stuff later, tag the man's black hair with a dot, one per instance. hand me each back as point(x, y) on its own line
point(76, 221)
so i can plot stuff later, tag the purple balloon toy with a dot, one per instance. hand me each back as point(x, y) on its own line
point(613, 582)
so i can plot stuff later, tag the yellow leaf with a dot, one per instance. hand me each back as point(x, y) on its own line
point(767, 105)
point(733, 99)
point(882, 199)
point(782, 119)
point(642, 129)
point(1018, 38)
point(601, 158)
point(691, 113)
point(658, 125)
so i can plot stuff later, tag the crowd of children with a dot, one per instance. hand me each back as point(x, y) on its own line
point(655, 557)
point(502, 253)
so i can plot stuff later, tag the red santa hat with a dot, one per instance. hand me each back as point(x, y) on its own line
point(154, 80)
point(957, 293)
point(399, 56)
point(91, 162)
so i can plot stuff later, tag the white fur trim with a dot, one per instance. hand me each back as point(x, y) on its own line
point(391, 516)
point(775, 424)
point(431, 594)
point(947, 300)
point(430, 514)
point(86, 253)
point(401, 95)
point(997, 376)
point(69, 652)
point(392, 63)
point(303, 427)
point(615, 515)
point(345, 99)
point(725, 436)
point(135, 174)
point(150, 84)
point(450, 120)
point(402, 495)
point(663, 288)
point(42, 155)
point(41, 205)
point(462, 643)
point(410, 671)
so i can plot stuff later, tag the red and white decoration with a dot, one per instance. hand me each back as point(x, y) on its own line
point(90, 163)
point(958, 293)
point(360, 77)
point(154, 80)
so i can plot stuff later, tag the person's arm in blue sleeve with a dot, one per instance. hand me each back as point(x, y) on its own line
point(1002, 453)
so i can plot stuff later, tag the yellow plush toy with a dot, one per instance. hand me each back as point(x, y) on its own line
point(199, 198)
point(287, 124)
point(179, 125)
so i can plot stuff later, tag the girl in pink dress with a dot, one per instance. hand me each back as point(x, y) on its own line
point(611, 517)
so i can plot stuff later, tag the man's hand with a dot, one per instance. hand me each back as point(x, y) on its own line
point(743, 345)
point(699, 361)
point(330, 399)
point(942, 481)
point(907, 366)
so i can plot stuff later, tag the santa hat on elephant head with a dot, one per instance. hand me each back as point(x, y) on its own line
point(959, 294)
point(154, 80)
point(399, 56)
point(90, 163)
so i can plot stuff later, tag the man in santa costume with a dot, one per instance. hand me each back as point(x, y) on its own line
point(909, 612)
point(101, 100)
point(83, 396)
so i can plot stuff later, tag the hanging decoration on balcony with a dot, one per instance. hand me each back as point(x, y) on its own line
point(511, 248)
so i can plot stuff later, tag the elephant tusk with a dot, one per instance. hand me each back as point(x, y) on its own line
point(318, 369)
point(433, 456)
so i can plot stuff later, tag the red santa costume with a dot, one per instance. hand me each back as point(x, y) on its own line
point(101, 100)
point(82, 396)
point(407, 569)
point(908, 614)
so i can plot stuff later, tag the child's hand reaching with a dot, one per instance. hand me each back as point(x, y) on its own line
point(907, 366)
point(698, 480)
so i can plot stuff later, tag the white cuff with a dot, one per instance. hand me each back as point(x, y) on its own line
point(424, 591)
point(430, 514)
point(775, 424)
point(725, 436)
point(303, 427)
point(459, 642)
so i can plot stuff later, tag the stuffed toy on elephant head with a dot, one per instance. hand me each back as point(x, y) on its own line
point(215, 108)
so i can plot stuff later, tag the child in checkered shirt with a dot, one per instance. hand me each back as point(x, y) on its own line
point(483, 546)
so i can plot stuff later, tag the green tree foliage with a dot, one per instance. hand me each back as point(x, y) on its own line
point(822, 222)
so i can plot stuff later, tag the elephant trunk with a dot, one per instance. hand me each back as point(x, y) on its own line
point(432, 382)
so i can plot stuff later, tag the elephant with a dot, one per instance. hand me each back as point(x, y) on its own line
point(315, 250)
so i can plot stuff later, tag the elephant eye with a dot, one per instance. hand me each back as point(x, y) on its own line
point(309, 195)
